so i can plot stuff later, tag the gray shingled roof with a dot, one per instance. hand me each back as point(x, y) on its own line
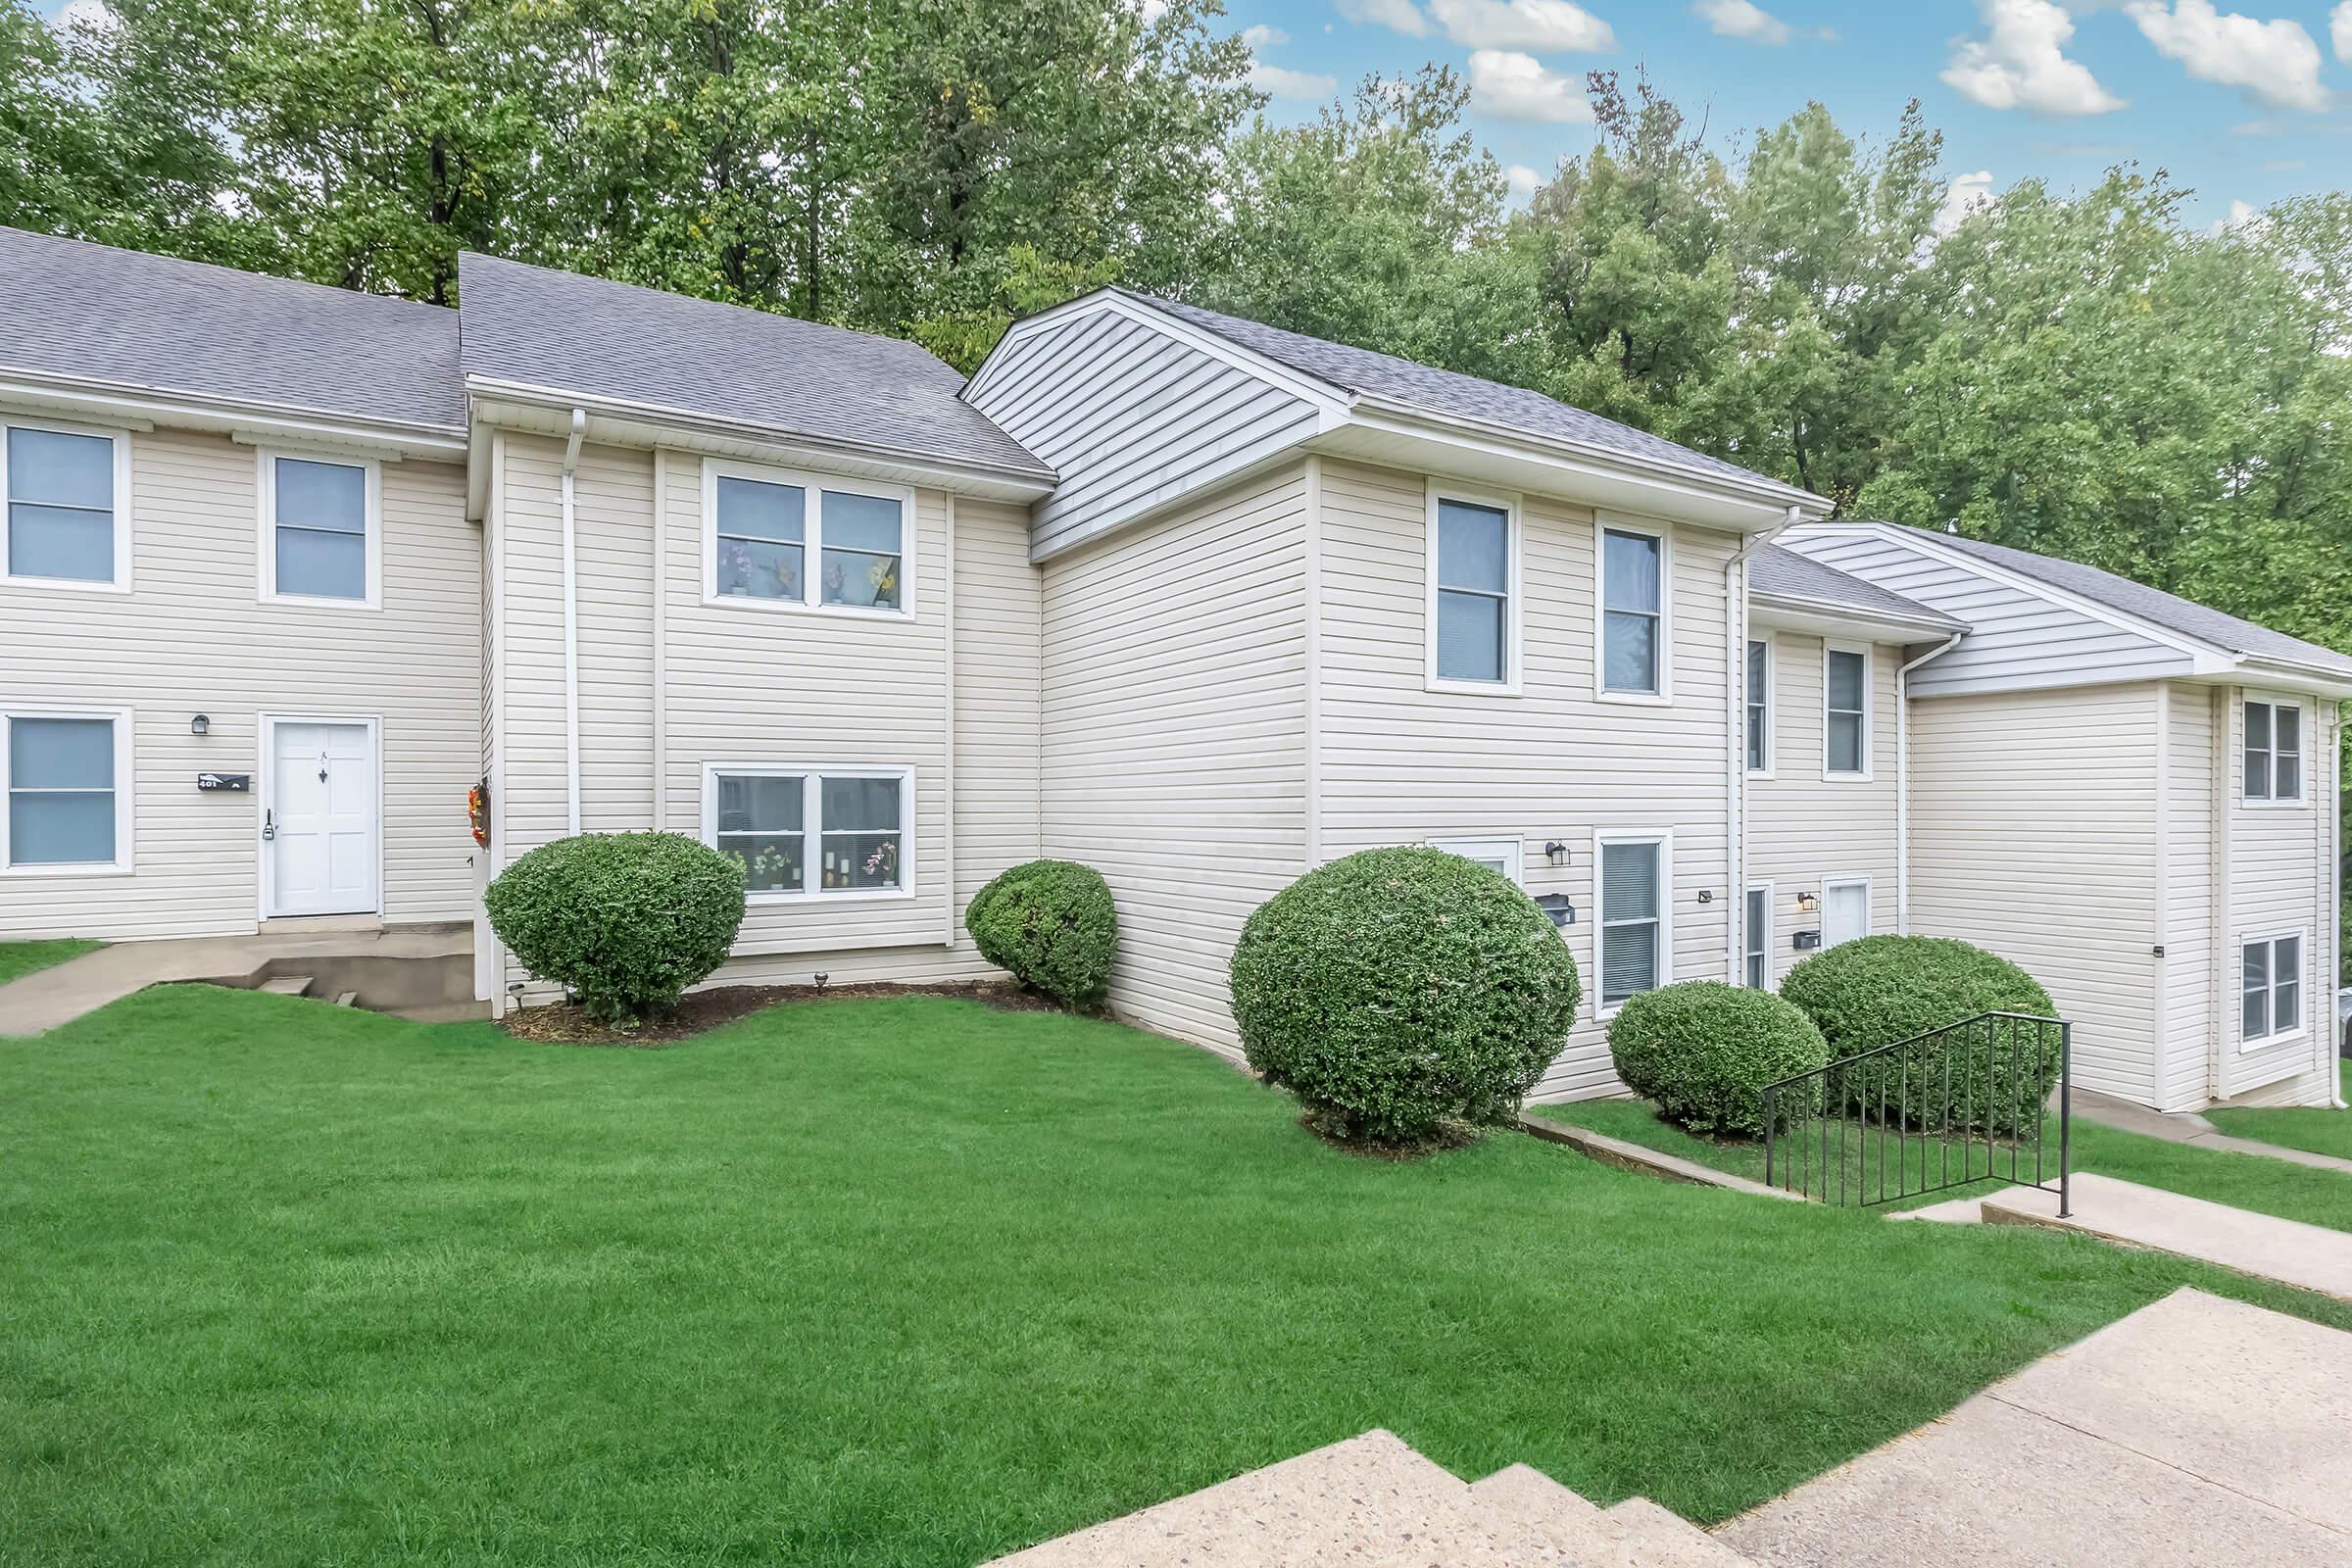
point(639, 345)
point(73, 309)
point(1784, 573)
point(1448, 392)
point(2169, 610)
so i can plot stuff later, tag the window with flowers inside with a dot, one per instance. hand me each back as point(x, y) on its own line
point(807, 831)
point(799, 540)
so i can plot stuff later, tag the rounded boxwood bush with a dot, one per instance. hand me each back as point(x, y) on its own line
point(1703, 1052)
point(1876, 991)
point(625, 921)
point(1052, 925)
point(1396, 990)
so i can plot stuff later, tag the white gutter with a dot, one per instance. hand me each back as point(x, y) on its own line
point(1735, 778)
point(571, 629)
point(1902, 779)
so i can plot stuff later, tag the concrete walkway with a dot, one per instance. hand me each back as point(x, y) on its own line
point(63, 991)
point(2187, 1127)
point(2196, 1432)
point(2311, 1258)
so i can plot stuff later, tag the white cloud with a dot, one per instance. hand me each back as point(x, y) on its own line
point(2270, 62)
point(1738, 19)
point(1514, 86)
point(2240, 215)
point(1400, 15)
point(1283, 82)
point(2339, 32)
point(1525, 181)
point(2021, 64)
point(1153, 10)
point(1966, 194)
point(1262, 37)
point(1522, 25)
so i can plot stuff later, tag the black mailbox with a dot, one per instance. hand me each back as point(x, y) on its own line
point(1556, 906)
point(1806, 941)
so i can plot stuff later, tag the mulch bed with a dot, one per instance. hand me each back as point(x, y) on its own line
point(568, 1023)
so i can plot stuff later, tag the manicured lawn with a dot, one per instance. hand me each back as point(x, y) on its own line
point(2248, 1181)
point(882, 1282)
point(22, 957)
point(2322, 1132)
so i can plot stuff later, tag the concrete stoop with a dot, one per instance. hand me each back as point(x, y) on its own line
point(1372, 1501)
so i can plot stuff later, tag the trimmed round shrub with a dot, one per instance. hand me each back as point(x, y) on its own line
point(1052, 925)
point(1395, 990)
point(1877, 991)
point(625, 921)
point(1703, 1052)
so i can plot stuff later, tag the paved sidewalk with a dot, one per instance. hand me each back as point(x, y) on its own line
point(2195, 1433)
point(2311, 1258)
point(63, 991)
point(2187, 1127)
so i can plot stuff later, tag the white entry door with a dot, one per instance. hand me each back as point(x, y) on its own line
point(1845, 912)
point(319, 846)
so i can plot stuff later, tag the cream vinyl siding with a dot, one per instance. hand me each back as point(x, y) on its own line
point(192, 638)
point(755, 685)
point(2278, 859)
point(1804, 827)
point(2016, 639)
point(1400, 763)
point(2033, 830)
point(2186, 842)
point(1175, 721)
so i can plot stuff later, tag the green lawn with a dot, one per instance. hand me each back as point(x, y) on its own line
point(901, 1281)
point(2322, 1131)
point(22, 957)
point(2248, 1181)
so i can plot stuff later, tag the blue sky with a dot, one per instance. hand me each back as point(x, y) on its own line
point(2245, 107)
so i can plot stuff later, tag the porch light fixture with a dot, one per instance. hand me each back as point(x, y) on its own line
point(1557, 852)
point(1808, 901)
point(200, 725)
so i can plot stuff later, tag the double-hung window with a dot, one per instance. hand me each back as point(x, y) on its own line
point(1845, 717)
point(64, 520)
point(68, 801)
point(1633, 613)
point(1759, 705)
point(321, 537)
point(1758, 969)
point(2274, 749)
point(799, 832)
point(804, 541)
point(1633, 952)
point(2270, 992)
point(1471, 592)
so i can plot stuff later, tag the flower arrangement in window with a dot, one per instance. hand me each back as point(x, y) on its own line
point(884, 861)
point(881, 575)
point(742, 572)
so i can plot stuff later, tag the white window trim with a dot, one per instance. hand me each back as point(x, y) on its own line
point(120, 583)
point(812, 826)
point(265, 538)
point(1870, 912)
point(1508, 502)
point(1870, 678)
point(125, 777)
point(1604, 524)
point(1510, 852)
point(1663, 838)
point(1750, 947)
point(2302, 1028)
point(2303, 729)
point(1771, 713)
point(812, 539)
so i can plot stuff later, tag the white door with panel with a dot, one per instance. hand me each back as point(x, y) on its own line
point(320, 831)
point(1845, 912)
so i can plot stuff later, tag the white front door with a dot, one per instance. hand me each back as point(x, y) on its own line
point(318, 847)
point(1845, 912)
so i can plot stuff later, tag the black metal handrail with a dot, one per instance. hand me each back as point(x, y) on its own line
point(1978, 1088)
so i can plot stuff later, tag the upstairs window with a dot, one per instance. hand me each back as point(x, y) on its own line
point(65, 796)
point(802, 541)
point(1632, 919)
point(321, 539)
point(62, 520)
point(2274, 750)
point(800, 831)
point(1472, 594)
point(1759, 705)
point(1845, 731)
point(1633, 598)
point(2271, 991)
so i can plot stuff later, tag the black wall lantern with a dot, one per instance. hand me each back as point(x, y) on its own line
point(200, 725)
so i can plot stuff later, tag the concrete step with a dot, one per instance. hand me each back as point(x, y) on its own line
point(441, 1012)
point(1951, 1211)
point(1549, 1511)
point(1368, 1502)
point(287, 984)
point(1655, 1537)
point(347, 999)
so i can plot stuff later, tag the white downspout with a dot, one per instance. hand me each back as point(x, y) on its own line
point(2332, 834)
point(1735, 775)
point(571, 629)
point(1903, 780)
